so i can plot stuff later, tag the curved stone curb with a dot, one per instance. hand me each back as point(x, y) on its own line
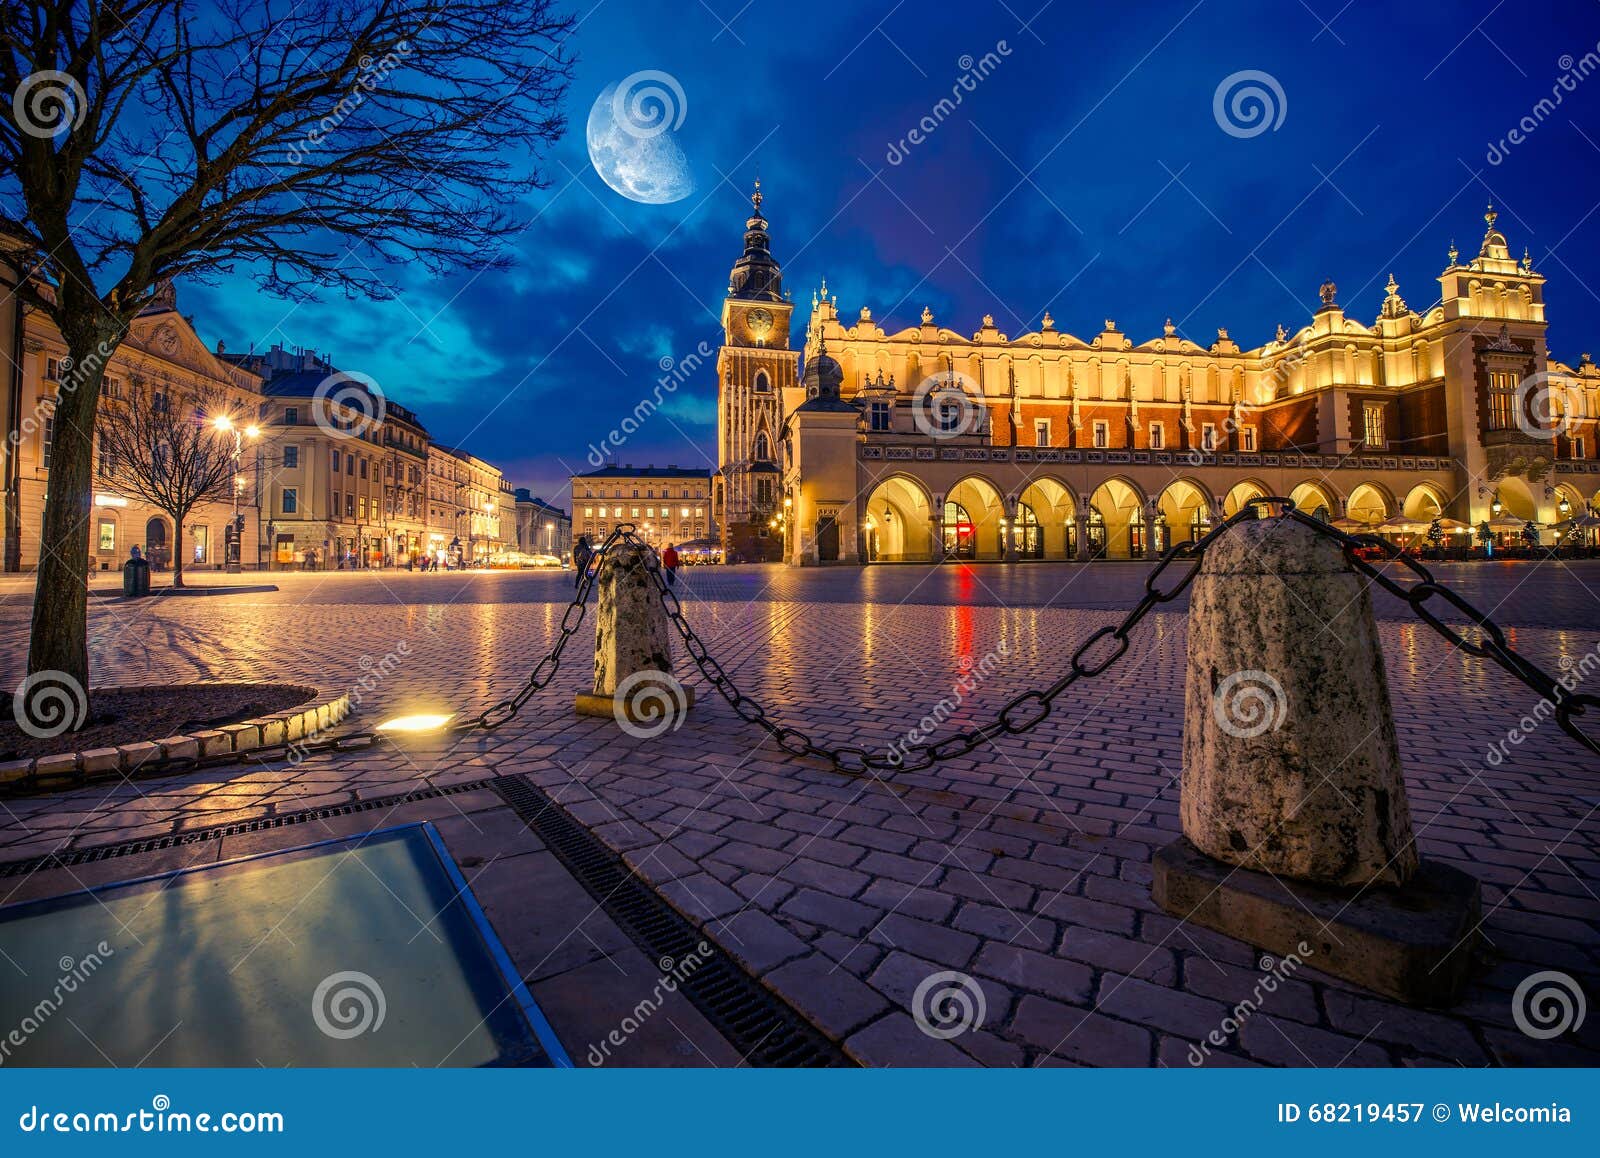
point(284, 727)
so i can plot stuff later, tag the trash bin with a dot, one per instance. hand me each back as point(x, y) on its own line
point(136, 577)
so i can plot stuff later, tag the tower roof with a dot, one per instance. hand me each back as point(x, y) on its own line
point(756, 275)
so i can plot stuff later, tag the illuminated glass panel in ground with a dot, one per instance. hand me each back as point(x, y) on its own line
point(367, 951)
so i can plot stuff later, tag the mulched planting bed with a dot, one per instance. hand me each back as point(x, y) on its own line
point(129, 715)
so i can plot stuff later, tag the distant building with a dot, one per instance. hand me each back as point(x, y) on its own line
point(541, 528)
point(465, 506)
point(666, 504)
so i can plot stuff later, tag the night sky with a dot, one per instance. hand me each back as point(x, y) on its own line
point(1086, 174)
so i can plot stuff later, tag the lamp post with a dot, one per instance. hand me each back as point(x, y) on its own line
point(225, 425)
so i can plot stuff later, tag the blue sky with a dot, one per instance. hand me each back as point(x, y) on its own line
point(1086, 174)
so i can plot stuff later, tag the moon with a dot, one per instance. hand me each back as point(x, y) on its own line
point(643, 165)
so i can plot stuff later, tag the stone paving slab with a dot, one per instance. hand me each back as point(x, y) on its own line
point(1025, 867)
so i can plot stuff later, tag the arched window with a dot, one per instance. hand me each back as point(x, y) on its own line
point(763, 383)
point(1025, 531)
point(960, 538)
point(762, 451)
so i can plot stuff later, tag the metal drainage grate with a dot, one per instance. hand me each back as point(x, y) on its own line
point(755, 1021)
point(57, 860)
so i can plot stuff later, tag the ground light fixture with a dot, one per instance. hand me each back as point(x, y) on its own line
point(414, 724)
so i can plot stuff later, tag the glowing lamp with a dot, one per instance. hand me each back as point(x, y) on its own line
point(222, 422)
point(410, 725)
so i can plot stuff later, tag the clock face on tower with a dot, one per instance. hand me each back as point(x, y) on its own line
point(759, 323)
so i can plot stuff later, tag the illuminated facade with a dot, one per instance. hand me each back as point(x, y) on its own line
point(666, 504)
point(927, 444)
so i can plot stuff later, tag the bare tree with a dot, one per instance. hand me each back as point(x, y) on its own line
point(309, 143)
point(169, 452)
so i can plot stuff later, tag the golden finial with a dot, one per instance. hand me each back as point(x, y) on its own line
point(1491, 216)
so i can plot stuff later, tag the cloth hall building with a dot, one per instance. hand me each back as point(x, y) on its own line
point(929, 444)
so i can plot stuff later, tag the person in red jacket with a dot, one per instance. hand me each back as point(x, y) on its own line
point(669, 563)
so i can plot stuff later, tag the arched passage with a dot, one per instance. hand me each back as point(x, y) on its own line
point(896, 522)
point(1185, 511)
point(1315, 500)
point(1116, 521)
point(972, 512)
point(1516, 499)
point(1242, 493)
point(1368, 504)
point(1423, 504)
point(1052, 505)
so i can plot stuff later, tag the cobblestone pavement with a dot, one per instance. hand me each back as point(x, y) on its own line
point(1025, 867)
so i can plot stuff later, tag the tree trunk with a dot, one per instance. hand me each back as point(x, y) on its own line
point(177, 551)
point(61, 593)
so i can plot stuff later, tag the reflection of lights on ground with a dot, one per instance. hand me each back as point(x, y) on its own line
point(410, 724)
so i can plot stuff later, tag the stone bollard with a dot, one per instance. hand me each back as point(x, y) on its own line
point(1296, 831)
point(633, 680)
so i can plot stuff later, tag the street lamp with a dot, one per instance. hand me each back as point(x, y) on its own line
point(224, 425)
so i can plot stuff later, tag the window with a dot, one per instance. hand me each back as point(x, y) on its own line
point(291, 457)
point(764, 492)
point(291, 415)
point(1102, 434)
point(158, 402)
point(878, 416)
point(1158, 436)
point(634, 509)
point(108, 462)
point(1502, 400)
point(763, 385)
point(949, 416)
point(363, 468)
point(1577, 448)
point(52, 370)
point(106, 540)
point(650, 512)
point(683, 512)
point(49, 440)
point(1208, 436)
point(763, 449)
point(588, 512)
point(291, 500)
point(337, 464)
point(200, 538)
point(1372, 423)
point(350, 506)
point(699, 512)
point(1041, 432)
point(111, 387)
point(1247, 438)
point(363, 508)
point(350, 464)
